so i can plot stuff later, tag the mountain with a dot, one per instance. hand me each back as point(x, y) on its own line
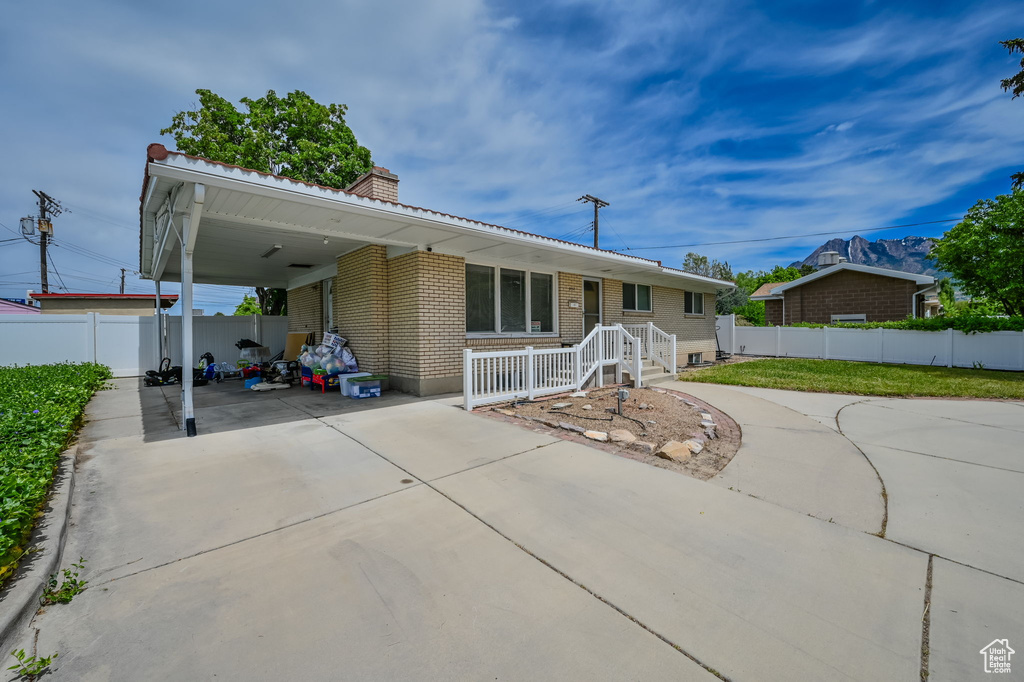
point(908, 254)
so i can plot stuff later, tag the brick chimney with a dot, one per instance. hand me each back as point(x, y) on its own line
point(380, 183)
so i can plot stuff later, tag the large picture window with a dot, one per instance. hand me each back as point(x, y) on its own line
point(694, 303)
point(508, 301)
point(636, 297)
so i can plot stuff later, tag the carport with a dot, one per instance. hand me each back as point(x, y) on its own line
point(213, 223)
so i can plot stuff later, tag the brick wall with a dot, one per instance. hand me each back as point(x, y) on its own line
point(305, 308)
point(361, 305)
point(428, 315)
point(847, 292)
point(773, 313)
point(570, 320)
point(694, 333)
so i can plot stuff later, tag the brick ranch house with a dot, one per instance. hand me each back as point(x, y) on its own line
point(409, 287)
point(847, 292)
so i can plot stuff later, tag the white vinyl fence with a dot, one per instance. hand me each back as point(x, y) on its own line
point(497, 376)
point(991, 350)
point(128, 343)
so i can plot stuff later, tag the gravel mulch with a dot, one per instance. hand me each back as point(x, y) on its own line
point(654, 416)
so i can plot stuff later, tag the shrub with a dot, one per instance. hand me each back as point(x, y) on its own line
point(40, 409)
point(969, 324)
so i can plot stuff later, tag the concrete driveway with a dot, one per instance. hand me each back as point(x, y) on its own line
point(309, 536)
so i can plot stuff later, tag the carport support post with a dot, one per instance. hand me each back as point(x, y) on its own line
point(189, 231)
point(159, 327)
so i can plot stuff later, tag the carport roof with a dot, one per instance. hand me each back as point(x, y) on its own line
point(245, 213)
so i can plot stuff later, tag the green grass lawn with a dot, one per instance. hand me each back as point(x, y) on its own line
point(863, 378)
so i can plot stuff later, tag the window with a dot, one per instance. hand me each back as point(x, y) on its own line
point(636, 297)
point(694, 358)
point(507, 301)
point(693, 303)
point(849, 318)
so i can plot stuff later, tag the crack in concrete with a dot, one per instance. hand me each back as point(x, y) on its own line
point(881, 482)
point(952, 419)
point(949, 459)
point(538, 558)
point(926, 621)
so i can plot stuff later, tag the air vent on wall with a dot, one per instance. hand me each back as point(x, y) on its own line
point(300, 265)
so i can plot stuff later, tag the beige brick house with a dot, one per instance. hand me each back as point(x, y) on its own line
point(409, 287)
point(847, 292)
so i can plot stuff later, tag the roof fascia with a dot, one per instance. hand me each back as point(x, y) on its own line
point(176, 167)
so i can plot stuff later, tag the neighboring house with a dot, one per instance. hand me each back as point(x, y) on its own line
point(15, 308)
point(409, 287)
point(846, 292)
point(105, 304)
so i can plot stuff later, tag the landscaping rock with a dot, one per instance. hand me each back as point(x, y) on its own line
point(708, 417)
point(710, 433)
point(571, 427)
point(600, 436)
point(510, 413)
point(578, 394)
point(706, 423)
point(675, 451)
point(621, 436)
point(559, 406)
point(549, 422)
point(694, 446)
point(644, 447)
point(588, 407)
point(643, 406)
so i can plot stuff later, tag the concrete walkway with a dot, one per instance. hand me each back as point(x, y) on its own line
point(406, 539)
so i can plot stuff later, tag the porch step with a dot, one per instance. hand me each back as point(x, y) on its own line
point(657, 377)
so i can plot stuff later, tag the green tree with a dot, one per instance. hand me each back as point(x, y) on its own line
point(700, 265)
point(292, 136)
point(248, 306)
point(750, 281)
point(1015, 84)
point(985, 252)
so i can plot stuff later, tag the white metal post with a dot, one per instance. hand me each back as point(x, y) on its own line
point(529, 373)
point(189, 233)
point(467, 379)
point(159, 327)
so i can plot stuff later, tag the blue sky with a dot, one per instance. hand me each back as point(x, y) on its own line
point(698, 122)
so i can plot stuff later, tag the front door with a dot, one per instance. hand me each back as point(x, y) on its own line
point(591, 304)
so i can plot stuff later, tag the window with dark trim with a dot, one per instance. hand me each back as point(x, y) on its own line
point(509, 301)
point(636, 297)
point(693, 303)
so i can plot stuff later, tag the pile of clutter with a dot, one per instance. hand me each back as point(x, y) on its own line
point(332, 356)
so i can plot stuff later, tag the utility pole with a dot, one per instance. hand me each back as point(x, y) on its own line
point(122, 280)
point(598, 204)
point(47, 205)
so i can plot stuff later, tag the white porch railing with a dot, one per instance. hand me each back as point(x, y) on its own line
point(496, 376)
point(656, 345)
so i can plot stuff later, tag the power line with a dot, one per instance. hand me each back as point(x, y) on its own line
point(794, 236)
point(59, 278)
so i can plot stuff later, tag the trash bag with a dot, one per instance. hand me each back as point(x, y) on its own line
point(246, 343)
point(348, 358)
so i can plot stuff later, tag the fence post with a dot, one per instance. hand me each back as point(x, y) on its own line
point(949, 347)
point(529, 373)
point(778, 341)
point(732, 333)
point(673, 360)
point(600, 356)
point(824, 342)
point(1022, 350)
point(881, 344)
point(649, 343)
point(620, 352)
point(90, 336)
point(577, 366)
point(467, 379)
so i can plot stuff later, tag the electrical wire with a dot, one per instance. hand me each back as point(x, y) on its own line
point(794, 236)
point(63, 286)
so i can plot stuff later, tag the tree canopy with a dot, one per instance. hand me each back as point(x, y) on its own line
point(1015, 84)
point(293, 136)
point(985, 252)
point(248, 306)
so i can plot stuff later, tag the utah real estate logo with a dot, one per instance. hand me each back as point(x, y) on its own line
point(997, 656)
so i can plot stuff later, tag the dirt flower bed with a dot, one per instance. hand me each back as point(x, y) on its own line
point(654, 424)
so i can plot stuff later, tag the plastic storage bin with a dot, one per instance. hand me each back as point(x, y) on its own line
point(365, 387)
point(345, 380)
